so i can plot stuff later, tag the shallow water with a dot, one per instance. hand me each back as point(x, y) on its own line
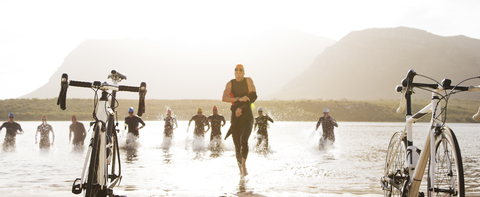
point(294, 166)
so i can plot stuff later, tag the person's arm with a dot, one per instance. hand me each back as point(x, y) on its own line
point(53, 135)
point(125, 123)
point(207, 123)
point(318, 124)
point(335, 122)
point(141, 122)
point(226, 94)
point(223, 119)
point(19, 128)
point(252, 91)
point(191, 119)
point(175, 123)
point(255, 125)
point(70, 134)
point(269, 119)
point(36, 133)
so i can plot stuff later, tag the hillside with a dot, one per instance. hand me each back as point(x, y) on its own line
point(300, 110)
point(174, 69)
point(369, 64)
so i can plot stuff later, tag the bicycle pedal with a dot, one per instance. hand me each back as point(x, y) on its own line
point(76, 187)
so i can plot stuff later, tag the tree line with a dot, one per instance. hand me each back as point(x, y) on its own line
point(280, 110)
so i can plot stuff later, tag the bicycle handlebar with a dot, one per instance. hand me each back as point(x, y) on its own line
point(142, 90)
point(408, 85)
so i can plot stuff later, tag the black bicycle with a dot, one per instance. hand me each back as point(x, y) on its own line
point(103, 152)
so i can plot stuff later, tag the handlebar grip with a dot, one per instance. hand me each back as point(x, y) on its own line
point(81, 84)
point(477, 115)
point(62, 96)
point(141, 99)
point(128, 88)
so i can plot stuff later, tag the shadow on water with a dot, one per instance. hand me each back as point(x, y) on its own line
point(131, 154)
point(243, 189)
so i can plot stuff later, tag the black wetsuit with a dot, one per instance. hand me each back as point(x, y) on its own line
point(216, 122)
point(79, 133)
point(11, 134)
point(262, 124)
point(132, 123)
point(200, 123)
point(241, 126)
point(168, 128)
point(327, 126)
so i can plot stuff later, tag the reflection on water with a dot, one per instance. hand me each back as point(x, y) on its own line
point(292, 165)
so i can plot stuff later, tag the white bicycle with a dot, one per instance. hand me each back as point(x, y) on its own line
point(440, 157)
point(103, 150)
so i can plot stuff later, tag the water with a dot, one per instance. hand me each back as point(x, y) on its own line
point(294, 167)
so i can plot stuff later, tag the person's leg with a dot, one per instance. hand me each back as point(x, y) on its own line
point(236, 141)
point(246, 131)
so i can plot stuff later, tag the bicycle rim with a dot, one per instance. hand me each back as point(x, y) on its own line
point(449, 178)
point(396, 171)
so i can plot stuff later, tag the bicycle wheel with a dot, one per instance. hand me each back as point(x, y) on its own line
point(91, 190)
point(395, 166)
point(449, 179)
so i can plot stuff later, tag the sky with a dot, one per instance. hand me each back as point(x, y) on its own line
point(36, 36)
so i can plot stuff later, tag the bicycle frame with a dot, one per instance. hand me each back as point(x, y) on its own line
point(104, 136)
point(417, 160)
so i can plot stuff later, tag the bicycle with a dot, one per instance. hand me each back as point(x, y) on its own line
point(103, 150)
point(405, 163)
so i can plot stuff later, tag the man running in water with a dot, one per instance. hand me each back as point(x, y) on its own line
point(12, 130)
point(170, 121)
point(44, 129)
point(200, 123)
point(241, 93)
point(79, 133)
point(216, 121)
point(328, 124)
point(262, 122)
point(132, 121)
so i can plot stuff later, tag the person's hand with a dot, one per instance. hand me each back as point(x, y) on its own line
point(238, 112)
point(244, 99)
point(331, 119)
point(137, 128)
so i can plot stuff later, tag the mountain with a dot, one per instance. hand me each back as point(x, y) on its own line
point(369, 64)
point(174, 69)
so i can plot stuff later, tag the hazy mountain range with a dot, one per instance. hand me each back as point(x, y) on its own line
point(369, 64)
point(174, 69)
point(284, 64)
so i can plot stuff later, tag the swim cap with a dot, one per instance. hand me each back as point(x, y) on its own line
point(74, 117)
point(239, 66)
point(130, 109)
point(10, 115)
point(214, 107)
point(199, 109)
point(260, 109)
point(326, 110)
point(44, 117)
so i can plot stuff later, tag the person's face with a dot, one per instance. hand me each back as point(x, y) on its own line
point(199, 113)
point(130, 114)
point(10, 118)
point(169, 114)
point(44, 120)
point(325, 114)
point(74, 120)
point(260, 113)
point(239, 73)
point(215, 112)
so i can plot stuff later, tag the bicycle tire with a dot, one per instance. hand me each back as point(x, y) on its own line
point(396, 172)
point(90, 191)
point(448, 156)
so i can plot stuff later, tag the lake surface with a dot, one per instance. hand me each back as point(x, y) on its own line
point(294, 167)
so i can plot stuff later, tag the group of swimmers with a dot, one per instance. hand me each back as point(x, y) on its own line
point(240, 92)
point(13, 128)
